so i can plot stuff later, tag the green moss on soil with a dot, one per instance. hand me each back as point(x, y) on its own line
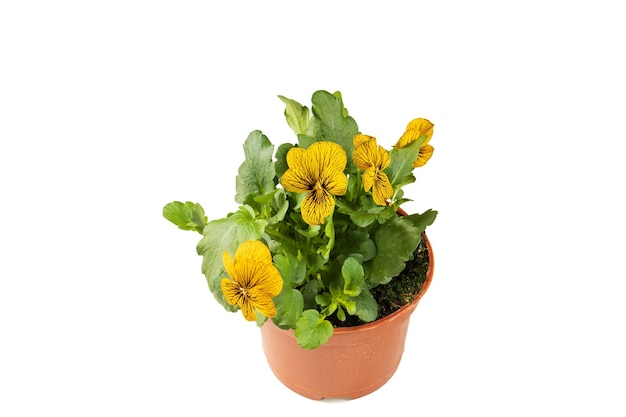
point(399, 292)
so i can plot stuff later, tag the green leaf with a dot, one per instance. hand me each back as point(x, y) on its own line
point(353, 274)
point(314, 262)
point(260, 318)
point(256, 174)
point(290, 302)
point(422, 221)
point(310, 290)
point(279, 206)
point(331, 121)
point(312, 330)
point(289, 305)
point(365, 219)
point(329, 233)
point(366, 306)
point(304, 141)
point(350, 306)
point(292, 269)
point(400, 169)
point(297, 115)
point(355, 242)
point(341, 315)
point(395, 241)
point(324, 299)
point(366, 213)
point(187, 216)
point(310, 232)
point(281, 159)
point(226, 235)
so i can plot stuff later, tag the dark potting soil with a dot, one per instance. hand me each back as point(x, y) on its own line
point(399, 292)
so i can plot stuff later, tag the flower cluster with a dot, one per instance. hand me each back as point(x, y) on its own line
point(317, 226)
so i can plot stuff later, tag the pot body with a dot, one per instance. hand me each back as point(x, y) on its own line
point(355, 361)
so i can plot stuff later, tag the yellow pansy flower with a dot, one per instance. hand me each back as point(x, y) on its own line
point(414, 130)
point(253, 281)
point(373, 159)
point(318, 172)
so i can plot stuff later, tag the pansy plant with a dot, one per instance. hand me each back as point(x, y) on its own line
point(316, 228)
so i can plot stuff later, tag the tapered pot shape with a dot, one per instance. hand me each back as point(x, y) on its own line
point(355, 361)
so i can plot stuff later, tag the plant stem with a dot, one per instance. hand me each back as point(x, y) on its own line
point(276, 234)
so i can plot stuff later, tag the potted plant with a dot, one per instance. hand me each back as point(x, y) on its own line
point(318, 244)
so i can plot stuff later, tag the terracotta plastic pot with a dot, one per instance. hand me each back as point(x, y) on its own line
point(355, 361)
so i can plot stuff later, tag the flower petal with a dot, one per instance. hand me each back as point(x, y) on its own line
point(327, 158)
point(336, 183)
point(426, 152)
point(316, 206)
point(254, 268)
point(368, 178)
point(382, 189)
point(364, 154)
point(298, 178)
point(296, 158)
point(296, 182)
point(247, 309)
point(414, 130)
point(360, 139)
point(368, 154)
point(384, 159)
point(232, 292)
point(253, 250)
point(265, 279)
point(262, 302)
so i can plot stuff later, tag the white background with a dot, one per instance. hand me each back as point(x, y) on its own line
point(110, 110)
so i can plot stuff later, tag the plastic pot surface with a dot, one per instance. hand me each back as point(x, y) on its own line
point(355, 361)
